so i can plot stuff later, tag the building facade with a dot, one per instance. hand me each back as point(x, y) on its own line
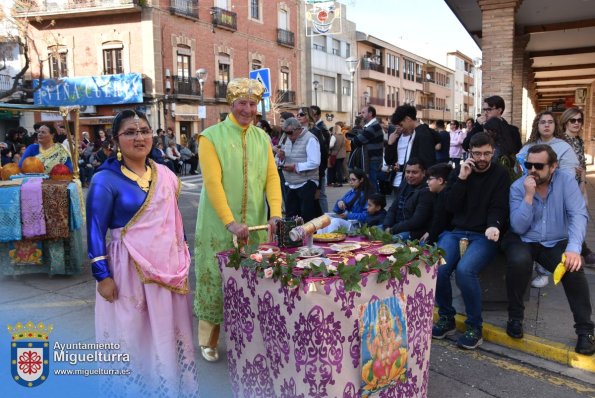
point(464, 85)
point(168, 42)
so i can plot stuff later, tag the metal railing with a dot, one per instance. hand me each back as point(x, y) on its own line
point(366, 64)
point(186, 85)
point(286, 96)
point(224, 18)
point(188, 8)
point(285, 37)
point(70, 5)
point(5, 83)
point(376, 101)
point(220, 89)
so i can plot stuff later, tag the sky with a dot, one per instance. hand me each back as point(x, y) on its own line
point(424, 27)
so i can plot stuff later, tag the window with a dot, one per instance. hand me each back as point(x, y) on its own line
point(409, 70)
point(392, 65)
point(336, 47)
point(347, 50)
point(223, 72)
point(184, 71)
point(58, 64)
point(112, 61)
point(284, 79)
point(346, 87)
point(222, 4)
point(329, 84)
point(255, 9)
point(319, 43)
point(256, 64)
point(283, 20)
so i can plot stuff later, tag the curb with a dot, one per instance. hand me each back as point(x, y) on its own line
point(533, 345)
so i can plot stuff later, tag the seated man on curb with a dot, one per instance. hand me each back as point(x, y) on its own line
point(410, 214)
point(548, 218)
point(478, 201)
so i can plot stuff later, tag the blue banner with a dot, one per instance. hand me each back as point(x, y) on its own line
point(125, 88)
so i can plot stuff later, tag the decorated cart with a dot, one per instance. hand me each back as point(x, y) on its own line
point(353, 321)
point(41, 218)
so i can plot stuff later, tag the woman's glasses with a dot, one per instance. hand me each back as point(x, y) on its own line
point(544, 122)
point(574, 121)
point(530, 165)
point(301, 114)
point(133, 133)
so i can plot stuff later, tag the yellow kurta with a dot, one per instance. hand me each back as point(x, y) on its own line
point(238, 170)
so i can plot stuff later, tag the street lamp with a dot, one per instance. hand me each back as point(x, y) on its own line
point(201, 74)
point(315, 83)
point(352, 66)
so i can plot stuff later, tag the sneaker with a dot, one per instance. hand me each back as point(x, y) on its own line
point(444, 327)
point(471, 339)
point(514, 328)
point(585, 344)
point(540, 281)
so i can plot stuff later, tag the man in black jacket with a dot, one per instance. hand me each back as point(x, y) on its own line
point(494, 107)
point(478, 201)
point(412, 140)
point(321, 132)
point(410, 214)
point(367, 145)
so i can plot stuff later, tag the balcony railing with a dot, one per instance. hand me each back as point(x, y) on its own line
point(38, 7)
point(376, 101)
point(187, 8)
point(285, 38)
point(224, 19)
point(186, 85)
point(286, 96)
point(367, 64)
point(5, 83)
point(220, 89)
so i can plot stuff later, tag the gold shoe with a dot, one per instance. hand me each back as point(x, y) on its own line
point(209, 353)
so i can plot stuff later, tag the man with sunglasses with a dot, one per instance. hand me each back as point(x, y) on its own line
point(493, 107)
point(548, 219)
point(478, 202)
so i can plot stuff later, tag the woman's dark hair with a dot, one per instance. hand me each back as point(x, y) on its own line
point(496, 129)
point(378, 199)
point(266, 127)
point(534, 136)
point(124, 115)
point(51, 127)
point(364, 188)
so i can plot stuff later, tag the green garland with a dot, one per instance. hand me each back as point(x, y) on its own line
point(411, 256)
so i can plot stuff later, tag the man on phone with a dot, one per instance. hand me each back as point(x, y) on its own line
point(478, 201)
point(547, 194)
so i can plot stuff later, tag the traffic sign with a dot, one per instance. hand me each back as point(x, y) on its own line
point(264, 77)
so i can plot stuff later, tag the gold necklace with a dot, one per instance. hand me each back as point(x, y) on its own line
point(142, 181)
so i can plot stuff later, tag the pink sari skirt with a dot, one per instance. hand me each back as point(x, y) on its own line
point(153, 326)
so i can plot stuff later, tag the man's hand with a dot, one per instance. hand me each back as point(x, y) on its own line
point(107, 289)
point(273, 225)
point(530, 186)
point(342, 215)
point(281, 154)
point(573, 261)
point(424, 238)
point(466, 168)
point(289, 168)
point(317, 194)
point(481, 119)
point(341, 205)
point(239, 230)
point(492, 233)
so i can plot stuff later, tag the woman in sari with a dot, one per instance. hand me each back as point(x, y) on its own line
point(49, 152)
point(142, 273)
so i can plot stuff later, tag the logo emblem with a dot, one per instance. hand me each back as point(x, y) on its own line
point(30, 353)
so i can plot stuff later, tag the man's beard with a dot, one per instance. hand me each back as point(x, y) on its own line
point(482, 165)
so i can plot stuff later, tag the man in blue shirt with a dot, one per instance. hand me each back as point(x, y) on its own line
point(548, 218)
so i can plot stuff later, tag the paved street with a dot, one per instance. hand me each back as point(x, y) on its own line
point(68, 302)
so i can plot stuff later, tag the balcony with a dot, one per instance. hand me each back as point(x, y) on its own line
point(371, 70)
point(285, 38)
point(185, 8)
point(220, 89)
point(435, 89)
point(59, 9)
point(435, 114)
point(186, 86)
point(5, 84)
point(224, 19)
point(376, 101)
point(284, 96)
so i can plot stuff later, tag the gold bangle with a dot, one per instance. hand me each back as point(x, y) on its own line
point(99, 258)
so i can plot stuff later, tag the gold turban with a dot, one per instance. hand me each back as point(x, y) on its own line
point(244, 88)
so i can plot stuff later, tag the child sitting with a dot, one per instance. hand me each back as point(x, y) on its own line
point(438, 176)
point(376, 211)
